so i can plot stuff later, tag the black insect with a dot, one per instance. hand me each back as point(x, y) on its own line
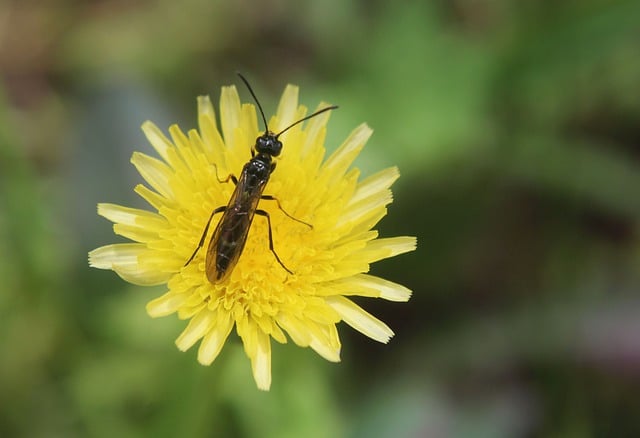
point(230, 235)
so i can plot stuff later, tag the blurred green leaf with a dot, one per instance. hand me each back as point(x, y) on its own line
point(579, 170)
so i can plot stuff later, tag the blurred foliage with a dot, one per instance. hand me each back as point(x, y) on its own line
point(516, 127)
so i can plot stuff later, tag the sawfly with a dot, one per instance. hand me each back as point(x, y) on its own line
point(230, 235)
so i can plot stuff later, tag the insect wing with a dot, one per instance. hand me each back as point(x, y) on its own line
point(230, 235)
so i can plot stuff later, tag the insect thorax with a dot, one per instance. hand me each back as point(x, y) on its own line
point(258, 170)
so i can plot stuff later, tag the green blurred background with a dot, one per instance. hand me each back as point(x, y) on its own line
point(516, 127)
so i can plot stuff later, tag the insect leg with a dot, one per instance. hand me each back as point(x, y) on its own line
point(265, 214)
point(273, 198)
point(204, 234)
point(231, 177)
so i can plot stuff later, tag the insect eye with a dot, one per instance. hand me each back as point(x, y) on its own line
point(276, 147)
point(262, 143)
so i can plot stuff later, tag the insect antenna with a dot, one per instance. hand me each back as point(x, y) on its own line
point(264, 119)
point(329, 108)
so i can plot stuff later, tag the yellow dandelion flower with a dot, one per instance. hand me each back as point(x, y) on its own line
point(306, 294)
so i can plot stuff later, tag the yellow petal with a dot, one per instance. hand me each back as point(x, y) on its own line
point(375, 183)
point(315, 131)
point(119, 253)
point(154, 199)
point(165, 305)
point(296, 329)
point(338, 163)
point(155, 172)
point(287, 108)
point(327, 346)
point(157, 139)
point(394, 245)
point(361, 320)
point(365, 285)
point(199, 326)
point(213, 144)
point(131, 216)
point(229, 114)
point(388, 290)
point(261, 361)
point(365, 208)
point(214, 340)
point(123, 258)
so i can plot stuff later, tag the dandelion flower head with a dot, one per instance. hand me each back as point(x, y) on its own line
point(329, 261)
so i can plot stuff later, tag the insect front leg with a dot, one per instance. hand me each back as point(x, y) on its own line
point(231, 177)
point(204, 234)
point(273, 198)
point(265, 214)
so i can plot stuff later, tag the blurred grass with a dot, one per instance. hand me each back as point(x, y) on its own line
point(515, 126)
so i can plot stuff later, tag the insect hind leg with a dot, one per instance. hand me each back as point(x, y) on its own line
point(273, 198)
point(204, 234)
point(265, 214)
